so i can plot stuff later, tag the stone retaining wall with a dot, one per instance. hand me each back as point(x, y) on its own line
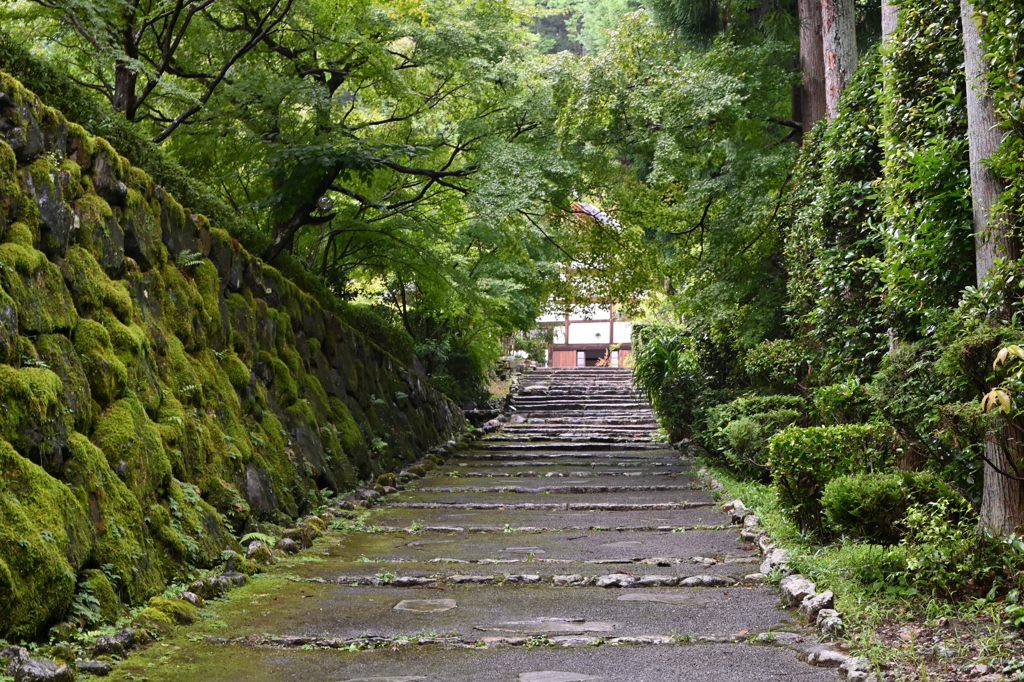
point(160, 386)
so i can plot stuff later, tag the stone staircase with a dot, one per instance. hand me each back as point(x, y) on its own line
point(580, 405)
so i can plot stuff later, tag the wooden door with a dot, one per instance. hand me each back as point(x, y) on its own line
point(563, 358)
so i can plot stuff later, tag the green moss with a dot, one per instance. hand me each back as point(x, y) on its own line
point(43, 302)
point(99, 586)
point(32, 414)
point(207, 283)
point(183, 312)
point(118, 526)
point(282, 383)
point(178, 610)
point(108, 377)
point(59, 354)
point(236, 371)
point(154, 620)
point(44, 539)
point(90, 287)
point(138, 180)
point(20, 234)
point(133, 448)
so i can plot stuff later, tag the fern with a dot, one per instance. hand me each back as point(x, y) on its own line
point(188, 259)
point(268, 540)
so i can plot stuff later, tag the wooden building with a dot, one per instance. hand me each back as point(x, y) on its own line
point(601, 338)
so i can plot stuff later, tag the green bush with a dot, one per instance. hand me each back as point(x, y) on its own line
point(804, 460)
point(842, 403)
point(873, 506)
point(738, 431)
point(779, 364)
point(666, 371)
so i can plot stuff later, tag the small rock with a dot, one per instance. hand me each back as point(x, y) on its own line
point(991, 677)
point(754, 577)
point(978, 670)
point(411, 581)
point(43, 670)
point(794, 589)
point(574, 580)
point(388, 490)
point(192, 598)
point(472, 579)
point(657, 581)
point(287, 545)
point(116, 644)
point(97, 668)
point(260, 553)
point(15, 656)
point(751, 521)
point(944, 651)
point(854, 664)
point(705, 581)
point(523, 579)
point(367, 494)
point(830, 622)
point(823, 656)
point(811, 605)
point(616, 580)
point(776, 558)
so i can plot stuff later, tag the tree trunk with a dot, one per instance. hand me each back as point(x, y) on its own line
point(124, 90)
point(1002, 499)
point(812, 64)
point(983, 134)
point(839, 40)
point(1002, 503)
point(890, 13)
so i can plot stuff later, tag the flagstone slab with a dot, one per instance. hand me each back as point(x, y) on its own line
point(343, 612)
point(549, 500)
point(668, 663)
point(514, 519)
point(577, 546)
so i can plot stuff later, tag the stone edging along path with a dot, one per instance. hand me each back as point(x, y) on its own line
point(800, 593)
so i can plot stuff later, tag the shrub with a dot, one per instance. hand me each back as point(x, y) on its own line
point(873, 506)
point(777, 364)
point(804, 460)
point(738, 431)
point(666, 371)
point(843, 403)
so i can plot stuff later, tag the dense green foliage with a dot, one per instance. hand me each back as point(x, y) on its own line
point(874, 506)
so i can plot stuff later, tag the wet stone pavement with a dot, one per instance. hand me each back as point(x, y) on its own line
point(571, 546)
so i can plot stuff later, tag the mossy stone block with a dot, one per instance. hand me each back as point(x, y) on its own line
point(44, 540)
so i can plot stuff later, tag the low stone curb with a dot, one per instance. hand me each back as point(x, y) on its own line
point(798, 592)
point(380, 642)
point(611, 580)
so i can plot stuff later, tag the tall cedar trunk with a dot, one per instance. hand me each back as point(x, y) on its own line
point(812, 64)
point(1002, 504)
point(839, 40)
point(890, 12)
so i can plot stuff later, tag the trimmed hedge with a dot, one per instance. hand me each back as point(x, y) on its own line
point(873, 506)
point(804, 460)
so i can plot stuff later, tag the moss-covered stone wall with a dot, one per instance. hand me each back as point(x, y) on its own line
point(160, 387)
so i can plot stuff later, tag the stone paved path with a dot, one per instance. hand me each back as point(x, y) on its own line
point(571, 546)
